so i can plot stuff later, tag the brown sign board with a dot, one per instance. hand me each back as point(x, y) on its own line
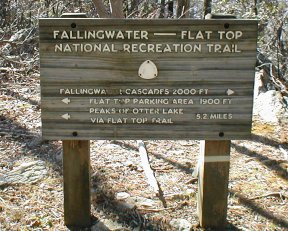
point(147, 79)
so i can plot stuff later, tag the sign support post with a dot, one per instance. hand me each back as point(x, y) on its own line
point(213, 183)
point(213, 179)
point(76, 174)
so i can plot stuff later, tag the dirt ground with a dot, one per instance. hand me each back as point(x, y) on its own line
point(258, 186)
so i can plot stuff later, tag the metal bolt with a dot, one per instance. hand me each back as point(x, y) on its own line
point(221, 134)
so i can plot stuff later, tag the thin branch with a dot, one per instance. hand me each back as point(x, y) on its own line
point(12, 61)
point(182, 10)
point(185, 13)
point(273, 194)
point(156, 210)
point(11, 42)
point(273, 78)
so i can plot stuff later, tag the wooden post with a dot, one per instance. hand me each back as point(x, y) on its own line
point(76, 173)
point(213, 172)
point(213, 183)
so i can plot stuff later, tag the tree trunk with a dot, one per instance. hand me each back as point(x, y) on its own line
point(162, 9)
point(116, 8)
point(256, 7)
point(207, 7)
point(100, 8)
point(182, 9)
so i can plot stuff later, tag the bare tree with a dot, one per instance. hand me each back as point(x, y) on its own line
point(101, 9)
point(116, 9)
point(207, 7)
point(183, 8)
point(162, 9)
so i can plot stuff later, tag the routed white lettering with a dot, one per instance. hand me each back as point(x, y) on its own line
point(198, 35)
point(58, 48)
point(82, 91)
point(230, 34)
point(101, 34)
point(55, 33)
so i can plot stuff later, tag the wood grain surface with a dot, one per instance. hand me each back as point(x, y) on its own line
point(213, 183)
point(182, 76)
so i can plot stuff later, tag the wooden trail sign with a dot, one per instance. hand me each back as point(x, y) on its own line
point(147, 79)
